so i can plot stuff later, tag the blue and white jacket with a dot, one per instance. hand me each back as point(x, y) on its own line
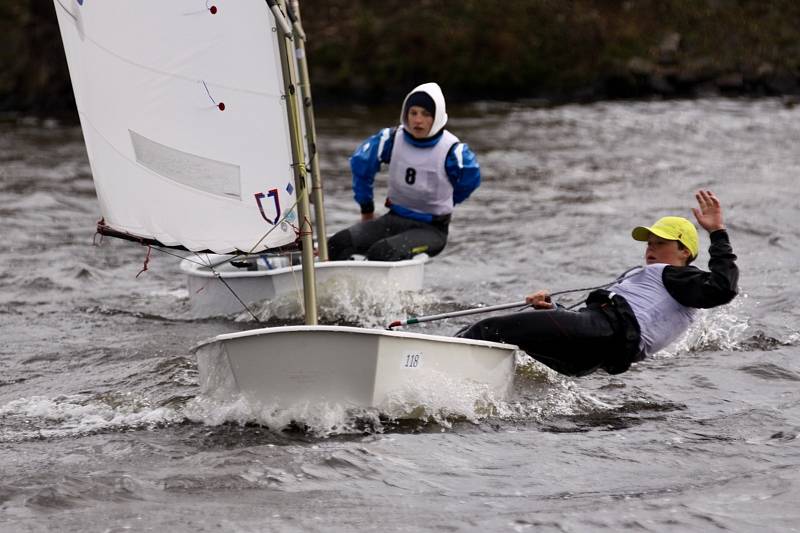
point(461, 167)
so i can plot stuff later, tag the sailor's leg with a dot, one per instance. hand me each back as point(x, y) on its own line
point(417, 239)
point(340, 245)
point(570, 342)
point(357, 238)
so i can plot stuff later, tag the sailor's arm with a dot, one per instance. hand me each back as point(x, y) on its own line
point(365, 163)
point(463, 170)
point(696, 288)
point(693, 287)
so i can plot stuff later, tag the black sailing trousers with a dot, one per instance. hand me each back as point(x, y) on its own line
point(389, 238)
point(602, 335)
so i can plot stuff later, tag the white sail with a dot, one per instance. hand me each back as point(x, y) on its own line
point(184, 119)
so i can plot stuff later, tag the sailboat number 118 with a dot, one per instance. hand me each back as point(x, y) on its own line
point(413, 360)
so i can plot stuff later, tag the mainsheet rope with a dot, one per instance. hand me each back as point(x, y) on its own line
point(618, 279)
point(520, 305)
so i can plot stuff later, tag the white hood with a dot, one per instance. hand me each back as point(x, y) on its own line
point(435, 92)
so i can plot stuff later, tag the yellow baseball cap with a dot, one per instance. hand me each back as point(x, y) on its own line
point(672, 229)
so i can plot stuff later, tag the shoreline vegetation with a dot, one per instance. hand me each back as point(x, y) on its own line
point(362, 51)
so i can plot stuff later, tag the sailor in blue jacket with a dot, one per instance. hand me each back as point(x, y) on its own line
point(430, 171)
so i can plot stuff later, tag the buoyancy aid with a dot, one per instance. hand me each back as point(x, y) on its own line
point(418, 179)
point(660, 317)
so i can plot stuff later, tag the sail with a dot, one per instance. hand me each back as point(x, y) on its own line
point(184, 119)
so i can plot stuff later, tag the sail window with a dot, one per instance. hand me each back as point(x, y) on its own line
point(209, 175)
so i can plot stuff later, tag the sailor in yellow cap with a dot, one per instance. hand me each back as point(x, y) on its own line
point(638, 315)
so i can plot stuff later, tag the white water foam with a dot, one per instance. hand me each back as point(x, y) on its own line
point(367, 306)
point(721, 328)
point(63, 416)
point(175, 294)
point(316, 418)
point(542, 393)
point(439, 402)
point(539, 393)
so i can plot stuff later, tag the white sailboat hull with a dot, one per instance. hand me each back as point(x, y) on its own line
point(212, 294)
point(354, 367)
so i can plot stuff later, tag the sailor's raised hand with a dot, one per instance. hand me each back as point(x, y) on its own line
point(709, 211)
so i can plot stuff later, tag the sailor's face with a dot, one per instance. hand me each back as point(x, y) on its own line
point(665, 251)
point(420, 122)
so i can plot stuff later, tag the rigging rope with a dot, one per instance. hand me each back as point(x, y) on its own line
point(619, 278)
point(146, 261)
point(219, 277)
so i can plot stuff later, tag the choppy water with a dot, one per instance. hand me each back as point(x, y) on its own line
point(102, 429)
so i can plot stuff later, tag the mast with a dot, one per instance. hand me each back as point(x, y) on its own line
point(311, 130)
point(300, 174)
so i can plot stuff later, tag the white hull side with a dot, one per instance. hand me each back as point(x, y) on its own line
point(355, 367)
point(208, 296)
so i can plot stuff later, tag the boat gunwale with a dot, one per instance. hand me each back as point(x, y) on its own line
point(193, 268)
point(357, 331)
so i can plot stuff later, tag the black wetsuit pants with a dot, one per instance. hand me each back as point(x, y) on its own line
point(389, 238)
point(575, 343)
